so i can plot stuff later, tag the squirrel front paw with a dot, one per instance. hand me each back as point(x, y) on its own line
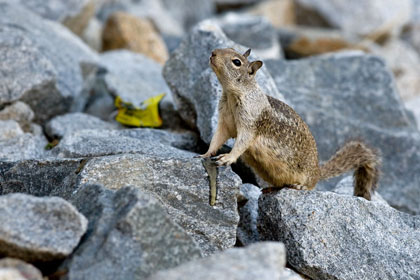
point(224, 159)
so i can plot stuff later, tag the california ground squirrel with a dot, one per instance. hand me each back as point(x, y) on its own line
point(272, 138)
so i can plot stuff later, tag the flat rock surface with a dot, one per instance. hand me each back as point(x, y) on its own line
point(193, 84)
point(39, 229)
point(264, 260)
point(321, 229)
point(130, 236)
point(182, 185)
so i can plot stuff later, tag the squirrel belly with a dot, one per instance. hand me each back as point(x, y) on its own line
point(272, 138)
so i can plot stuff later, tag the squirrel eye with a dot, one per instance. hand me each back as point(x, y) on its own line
point(237, 62)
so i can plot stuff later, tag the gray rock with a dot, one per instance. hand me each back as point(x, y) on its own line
point(248, 212)
point(72, 122)
point(92, 35)
point(130, 236)
point(368, 18)
point(133, 76)
point(9, 129)
point(181, 183)
point(49, 177)
point(355, 95)
point(346, 187)
point(19, 112)
point(194, 86)
point(39, 62)
point(93, 143)
point(321, 229)
point(264, 260)
point(39, 229)
point(414, 105)
point(24, 146)
point(22, 270)
point(254, 32)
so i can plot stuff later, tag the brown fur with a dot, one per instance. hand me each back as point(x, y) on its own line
point(272, 138)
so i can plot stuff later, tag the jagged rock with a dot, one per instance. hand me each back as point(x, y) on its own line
point(152, 9)
point(20, 112)
point(182, 185)
point(41, 59)
point(301, 41)
point(49, 177)
point(18, 269)
point(39, 229)
point(264, 260)
point(94, 143)
point(133, 76)
point(130, 236)
point(24, 146)
point(193, 84)
point(356, 17)
point(346, 187)
point(72, 122)
point(404, 62)
point(280, 13)
point(75, 14)
point(351, 96)
point(9, 129)
point(248, 212)
point(254, 32)
point(125, 31)
point(321, 229)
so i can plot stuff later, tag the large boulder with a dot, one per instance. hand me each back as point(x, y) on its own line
point(263, 261)
point(372, 18)
point(39, 229)
point(331, 236)
point(351, 96)
point(42, 61)
point(193, 84)
point(130, 236)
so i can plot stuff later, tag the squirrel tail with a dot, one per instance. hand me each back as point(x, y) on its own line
point(355, 155)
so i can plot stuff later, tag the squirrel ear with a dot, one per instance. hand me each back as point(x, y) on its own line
point(247, 53)
point(254, 66)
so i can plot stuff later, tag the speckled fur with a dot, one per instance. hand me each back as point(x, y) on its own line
point(272, 138)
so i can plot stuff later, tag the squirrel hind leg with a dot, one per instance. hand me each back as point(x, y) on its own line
point(366, 180)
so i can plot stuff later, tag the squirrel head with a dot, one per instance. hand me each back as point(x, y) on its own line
point(233, 69)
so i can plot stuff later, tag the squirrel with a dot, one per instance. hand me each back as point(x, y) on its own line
point(272, 138)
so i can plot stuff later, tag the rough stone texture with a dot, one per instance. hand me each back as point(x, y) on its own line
point(264, 260)
point(39, 229)
point(24, 146)
point(248, 212)
point(93, 143)
point(372, 18)
point(182, 185)
point(254, 32)
point(321, 229)
point(125, 31)
point(153, 9)
point(346, 187)
point(72, 122)
point(301, 41)
point(130, 236)
point(49, 177)
point(352, 96)
point(20, 112)
point(133, 76)
point(23, 270)
point(280, 13)
point(193, 84)
point(404, 62)
point(75, 14)
point(9, 129)
point(41, 59)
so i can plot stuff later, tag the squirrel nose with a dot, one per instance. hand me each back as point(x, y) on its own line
point(213, 54)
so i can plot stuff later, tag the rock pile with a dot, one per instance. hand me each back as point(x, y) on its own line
point(84, 197)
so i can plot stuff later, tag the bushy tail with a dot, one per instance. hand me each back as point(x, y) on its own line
point(355, 155)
